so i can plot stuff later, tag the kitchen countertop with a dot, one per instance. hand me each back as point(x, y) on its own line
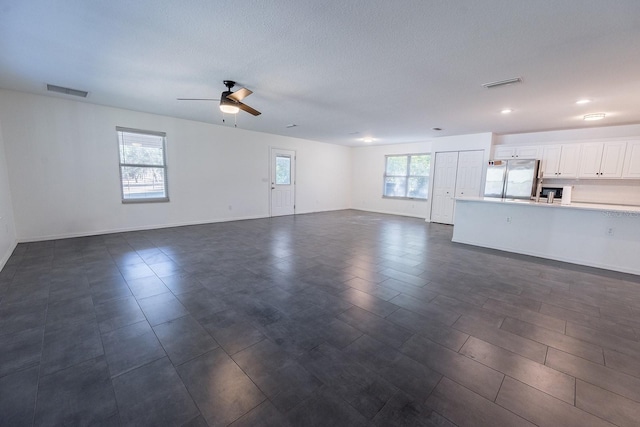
point(543, 203)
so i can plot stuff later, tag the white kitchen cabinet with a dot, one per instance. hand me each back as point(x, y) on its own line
point(631, 168)
point(602, 160)
point(551, 160)
point(516, 152)
point(590, 158)
point(560, 161)
point(569, 161)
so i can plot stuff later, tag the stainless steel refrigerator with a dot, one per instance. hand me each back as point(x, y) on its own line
point(512, 179)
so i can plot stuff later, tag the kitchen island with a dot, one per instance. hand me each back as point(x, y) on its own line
point(603, 236)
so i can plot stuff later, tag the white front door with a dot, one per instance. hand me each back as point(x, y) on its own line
point(444, 186)
point(283, 182)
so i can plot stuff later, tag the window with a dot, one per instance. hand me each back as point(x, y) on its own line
point(407, 176)
point(283, 170)
point(143, 169)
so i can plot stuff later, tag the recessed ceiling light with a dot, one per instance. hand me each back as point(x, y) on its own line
point(592, 117)
point(583, 101)
point(507, 111)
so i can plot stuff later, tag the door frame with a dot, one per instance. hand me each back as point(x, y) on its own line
point(272, 151)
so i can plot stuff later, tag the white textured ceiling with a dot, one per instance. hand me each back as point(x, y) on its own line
point(391, 70)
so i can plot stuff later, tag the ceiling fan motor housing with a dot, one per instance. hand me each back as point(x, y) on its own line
point(227, 101)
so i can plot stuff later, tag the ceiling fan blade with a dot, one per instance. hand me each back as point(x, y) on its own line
point(197, 99)
point(240, 94)
point(245, 107)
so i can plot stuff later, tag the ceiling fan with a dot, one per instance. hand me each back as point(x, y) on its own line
point(230, 101)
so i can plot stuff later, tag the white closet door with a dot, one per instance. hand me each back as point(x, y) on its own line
point(469, 177)
point(444, 186)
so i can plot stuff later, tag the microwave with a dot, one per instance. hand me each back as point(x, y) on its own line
point(545, 192)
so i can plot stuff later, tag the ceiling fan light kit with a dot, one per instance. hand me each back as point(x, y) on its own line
point(230, 101)
point(228, 107)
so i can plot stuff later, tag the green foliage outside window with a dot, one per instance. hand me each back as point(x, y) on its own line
point(407, 176)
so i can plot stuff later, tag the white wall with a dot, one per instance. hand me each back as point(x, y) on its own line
point(368, 168)
point(367, 178)
point(7, 225)
point(474, 141)
point(624, 192)
point(62, 159)
point(569, 135)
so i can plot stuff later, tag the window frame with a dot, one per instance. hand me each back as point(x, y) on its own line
point(163, 135)
point(407, 176)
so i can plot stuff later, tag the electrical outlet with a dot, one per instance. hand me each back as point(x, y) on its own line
point(610, 231)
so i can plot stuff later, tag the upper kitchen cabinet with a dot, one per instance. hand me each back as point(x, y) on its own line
point(560, 161)
point(515, 152)
point(602, 160)
point(631, 168)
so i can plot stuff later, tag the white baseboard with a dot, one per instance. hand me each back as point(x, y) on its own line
point(390, 213)
point(150, 227)
point(304, 212)
point(129, 229)
point(7, 255)
point(552, 257)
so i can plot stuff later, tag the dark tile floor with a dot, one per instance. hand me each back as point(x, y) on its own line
point(341, 318)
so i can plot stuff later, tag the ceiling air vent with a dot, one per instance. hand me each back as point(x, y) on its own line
point(67, 91)
point(491, 85)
